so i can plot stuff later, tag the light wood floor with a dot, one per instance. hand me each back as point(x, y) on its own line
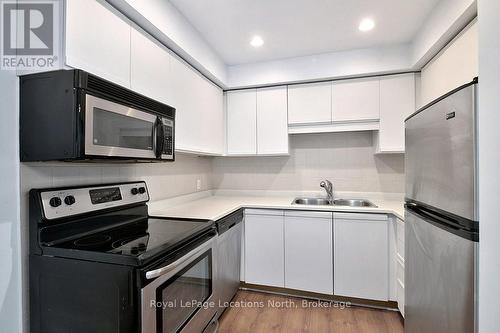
point(293, 316)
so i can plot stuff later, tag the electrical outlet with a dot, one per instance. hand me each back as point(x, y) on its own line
point(198, 184)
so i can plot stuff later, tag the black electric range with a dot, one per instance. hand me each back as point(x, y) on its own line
point(91, 249)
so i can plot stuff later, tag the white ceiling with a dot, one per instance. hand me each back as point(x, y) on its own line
point(292, 28)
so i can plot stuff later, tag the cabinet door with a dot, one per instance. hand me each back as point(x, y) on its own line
point(308, 251)
point(211, 117)
point(272, 124)
point(187, 133)
point(264, 249)
point(361, 256)
point(397, 101)
point(310, 103)
point(242, 122)
point(150, 72)
point(355, 100)
point(97, 39)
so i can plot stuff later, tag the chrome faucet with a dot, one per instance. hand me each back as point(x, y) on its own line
point(328, 186)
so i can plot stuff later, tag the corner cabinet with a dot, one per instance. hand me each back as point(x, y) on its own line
point(256, 121)
point(397, 102)
point(361, 256)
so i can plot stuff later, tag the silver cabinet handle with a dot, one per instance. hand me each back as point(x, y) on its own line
point(165, 269)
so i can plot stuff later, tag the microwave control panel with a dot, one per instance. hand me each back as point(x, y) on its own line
point(168, 146)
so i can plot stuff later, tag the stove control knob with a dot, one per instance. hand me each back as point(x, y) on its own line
point(55, 202)
point(134, 191)
point(69, 200)
point(142, 190)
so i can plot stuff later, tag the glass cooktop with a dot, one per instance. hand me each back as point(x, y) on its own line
point(147, 236)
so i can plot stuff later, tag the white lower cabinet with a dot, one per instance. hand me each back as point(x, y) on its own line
point(400, 265)
point(361, 256)
point(308, 251)
point(264, 248)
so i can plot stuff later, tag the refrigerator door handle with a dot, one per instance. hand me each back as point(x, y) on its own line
point(442, 222)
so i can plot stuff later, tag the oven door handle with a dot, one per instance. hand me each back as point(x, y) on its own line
point(170, 267)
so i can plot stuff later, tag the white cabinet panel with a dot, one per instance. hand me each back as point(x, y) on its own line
point(264, 250)
point(310, 103)
point(97, 40)
point(186, 115)
point(355, 100)
point(308, 251)
point(272, 124)
point(242, 122)
point(397, 101)
point(150, 72)
point(361, 256)
point(199, 110)
point(211, 117)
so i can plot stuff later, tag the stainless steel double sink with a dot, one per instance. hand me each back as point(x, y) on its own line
point(335, 202)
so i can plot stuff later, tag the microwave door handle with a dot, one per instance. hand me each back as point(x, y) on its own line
point(158, 139)
point(168, 268)
point(153, 135)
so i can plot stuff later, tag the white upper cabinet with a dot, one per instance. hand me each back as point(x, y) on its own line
point(355, 100)
point(397, 101)
point(272, 128)
point(361, 256)
point(310, 103)
point(150, 72)
point(242, 122)
point(199, 113)
point(308, 251)
point(97, 40)
point(210, 109)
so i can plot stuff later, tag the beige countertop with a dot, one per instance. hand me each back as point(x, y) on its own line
point(215, 205)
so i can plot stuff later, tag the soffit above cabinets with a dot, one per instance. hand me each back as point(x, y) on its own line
point(288, 25)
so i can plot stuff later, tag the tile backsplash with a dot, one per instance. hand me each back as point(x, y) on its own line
point(164, 180)
point(346, 158)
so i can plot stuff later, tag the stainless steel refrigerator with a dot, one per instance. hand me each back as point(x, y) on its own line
point(441, 221)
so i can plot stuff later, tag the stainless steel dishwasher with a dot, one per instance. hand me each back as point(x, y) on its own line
point(228, 258)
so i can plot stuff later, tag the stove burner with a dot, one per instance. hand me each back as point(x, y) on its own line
point(133, 245)
point(93, 241)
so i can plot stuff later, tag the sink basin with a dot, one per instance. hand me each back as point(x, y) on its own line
point(336, 202)
point(353, 203)
point(311, 201)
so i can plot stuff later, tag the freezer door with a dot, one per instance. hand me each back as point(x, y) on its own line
point(440, 154)
point(439, 279)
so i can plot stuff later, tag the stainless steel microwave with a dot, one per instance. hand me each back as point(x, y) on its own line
point(73, 115)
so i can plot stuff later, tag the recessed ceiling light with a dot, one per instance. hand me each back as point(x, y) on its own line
point(366, 24)
point(257, 41)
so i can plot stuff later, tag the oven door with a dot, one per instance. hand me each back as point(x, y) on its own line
point(180, 296)
point(113, 129)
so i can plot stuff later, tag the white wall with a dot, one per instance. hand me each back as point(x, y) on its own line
point(489, 164)
point(445, 20)
point(454, 66)
point(10, 257)
point(345, 158)
point(321, 66)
